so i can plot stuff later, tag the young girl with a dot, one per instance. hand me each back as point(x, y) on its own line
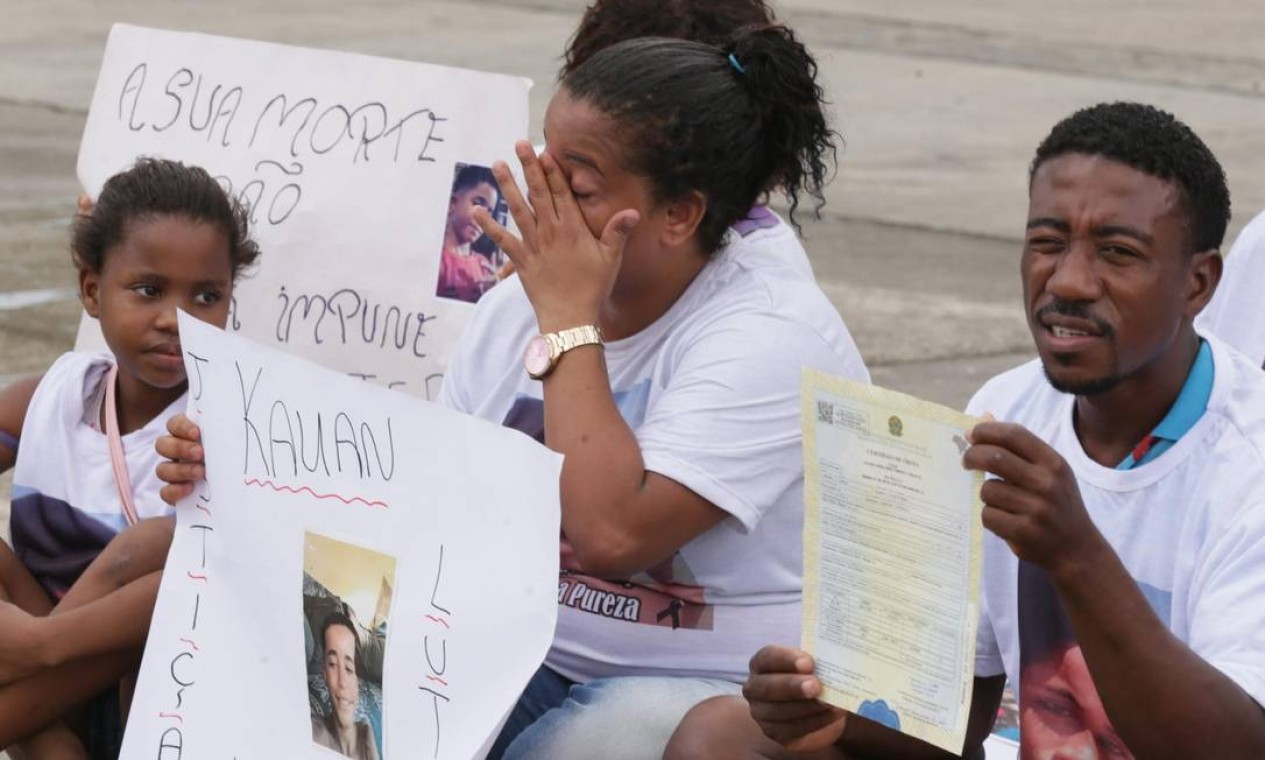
point(78, 586)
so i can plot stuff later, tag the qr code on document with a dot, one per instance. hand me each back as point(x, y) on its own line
point(825, 412)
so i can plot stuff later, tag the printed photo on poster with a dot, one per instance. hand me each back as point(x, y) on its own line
point(346, 606)
point(469, 260)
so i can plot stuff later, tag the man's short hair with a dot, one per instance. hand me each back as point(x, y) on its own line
point(1156, 143)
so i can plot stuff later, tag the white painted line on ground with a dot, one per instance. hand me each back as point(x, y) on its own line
point(21, 299)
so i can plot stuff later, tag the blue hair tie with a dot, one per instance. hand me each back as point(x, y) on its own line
point(733, 61)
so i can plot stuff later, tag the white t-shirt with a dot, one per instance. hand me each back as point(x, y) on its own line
point(712, 392)
point(1236, 314)
point(66, 505)
point(1189, 527)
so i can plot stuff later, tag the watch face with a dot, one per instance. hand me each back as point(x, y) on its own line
point(536, 360)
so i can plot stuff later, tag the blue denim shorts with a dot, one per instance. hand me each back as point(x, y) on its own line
point(623, 718)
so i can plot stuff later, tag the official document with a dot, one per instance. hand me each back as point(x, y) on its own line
point(891, 557)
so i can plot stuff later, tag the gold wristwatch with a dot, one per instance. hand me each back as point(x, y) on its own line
point(544, 351)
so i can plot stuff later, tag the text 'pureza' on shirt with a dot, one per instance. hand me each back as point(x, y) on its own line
point(712, 392)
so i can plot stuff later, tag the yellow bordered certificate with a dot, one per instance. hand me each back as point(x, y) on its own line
point(892, 547)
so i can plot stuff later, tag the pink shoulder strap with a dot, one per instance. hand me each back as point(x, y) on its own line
point(121, 479)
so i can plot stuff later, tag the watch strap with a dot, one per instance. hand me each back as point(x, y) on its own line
point(574, 337)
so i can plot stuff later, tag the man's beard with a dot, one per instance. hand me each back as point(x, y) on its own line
point(1085, 387)
point(1079, 310)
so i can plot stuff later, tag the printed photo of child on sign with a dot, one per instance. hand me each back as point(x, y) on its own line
point(469, 259)
point(346, 603)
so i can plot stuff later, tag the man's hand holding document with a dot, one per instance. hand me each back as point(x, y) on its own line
point(891, 557)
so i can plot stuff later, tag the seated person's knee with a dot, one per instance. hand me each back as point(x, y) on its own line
point(718, 728)
point(138, 551)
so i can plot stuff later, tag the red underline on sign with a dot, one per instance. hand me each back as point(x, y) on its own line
point(434, 619)
point(437, 680)
point(305, 489)
point(171, 715)
point(196, 576)
point(190, 643)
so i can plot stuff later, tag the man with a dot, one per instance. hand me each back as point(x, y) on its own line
point(339, 730)
point(1127, 479)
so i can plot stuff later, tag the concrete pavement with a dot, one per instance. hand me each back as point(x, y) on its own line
point(941, 105)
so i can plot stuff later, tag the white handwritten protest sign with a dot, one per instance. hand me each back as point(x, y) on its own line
point(349, 164)
point(357, 559)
